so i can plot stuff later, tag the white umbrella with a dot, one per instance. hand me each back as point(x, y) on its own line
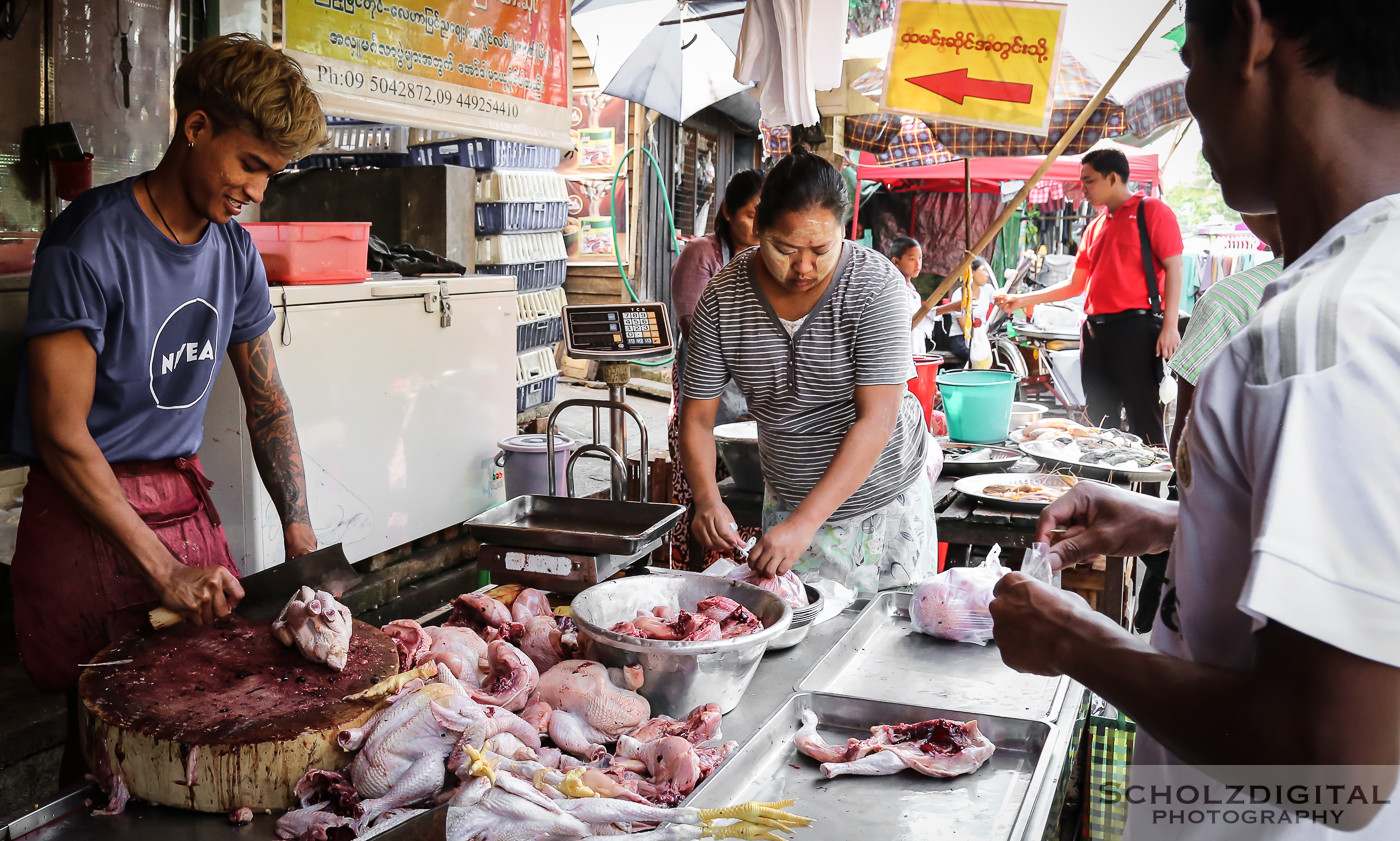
point(674, 57)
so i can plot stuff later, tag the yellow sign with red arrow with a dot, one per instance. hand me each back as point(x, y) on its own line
point(989, 63)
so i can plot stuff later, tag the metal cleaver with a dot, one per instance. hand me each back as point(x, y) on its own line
point(267, 591)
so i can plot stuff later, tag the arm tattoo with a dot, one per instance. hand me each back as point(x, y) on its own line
point(273, 434)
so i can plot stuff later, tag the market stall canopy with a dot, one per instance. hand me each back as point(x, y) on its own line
point(989, 173)
point(676, 58)
point(1146, 100)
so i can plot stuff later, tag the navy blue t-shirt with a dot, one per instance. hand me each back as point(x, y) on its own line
point(160, 316)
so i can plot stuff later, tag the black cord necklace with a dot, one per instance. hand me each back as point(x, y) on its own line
point(147, 181)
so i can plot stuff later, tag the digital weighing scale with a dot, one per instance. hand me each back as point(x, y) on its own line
point(563, 543)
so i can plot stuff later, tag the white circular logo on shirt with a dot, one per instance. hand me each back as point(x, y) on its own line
point(183, 362)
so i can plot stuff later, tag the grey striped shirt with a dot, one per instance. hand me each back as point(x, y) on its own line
point(801, 390)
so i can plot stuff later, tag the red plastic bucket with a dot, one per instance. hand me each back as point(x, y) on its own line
point(924, 386)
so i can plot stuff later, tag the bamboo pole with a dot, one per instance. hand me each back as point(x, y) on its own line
point(1054, 154)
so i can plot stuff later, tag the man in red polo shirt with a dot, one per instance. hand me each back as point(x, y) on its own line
point(1131, 326)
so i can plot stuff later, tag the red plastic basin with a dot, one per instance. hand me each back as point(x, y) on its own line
point(312, 252)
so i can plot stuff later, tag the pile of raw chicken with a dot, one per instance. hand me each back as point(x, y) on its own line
point(494, 715)
point(714, 618)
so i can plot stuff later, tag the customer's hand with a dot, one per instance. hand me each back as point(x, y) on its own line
point(714, 528)
point(1099, 519)
point(1037, 626)
point(1168, 341)
point(1008, 303)
point(779, 549)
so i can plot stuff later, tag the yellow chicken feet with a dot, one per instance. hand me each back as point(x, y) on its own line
point(742, 829)
point(481, 766)
point(763, 814)
point(389, 686)
point(573, 785)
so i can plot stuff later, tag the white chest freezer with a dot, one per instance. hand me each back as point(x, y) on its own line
point(398, 410)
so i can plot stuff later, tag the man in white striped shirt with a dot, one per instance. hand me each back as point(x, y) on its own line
point(1274, 664)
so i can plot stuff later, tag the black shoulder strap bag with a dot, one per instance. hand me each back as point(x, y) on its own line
point(1154, 300)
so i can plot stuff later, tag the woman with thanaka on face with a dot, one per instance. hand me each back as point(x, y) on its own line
point(701, 260)
point(814, 331)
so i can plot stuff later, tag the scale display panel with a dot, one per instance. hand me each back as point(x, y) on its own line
point(617, 331)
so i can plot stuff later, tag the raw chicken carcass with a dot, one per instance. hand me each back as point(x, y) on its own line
point(936, 748)
point(510, 678)
point(493, 673)
point(699, 727)
point(504, 807)
point(109, 778)
point(734, 619)
point(315, 823)
point(586, 709)
point(461, 650)
point(402, 749)
point(670, 625)
point(318, 625)
point(412, 640)
point(487, 616)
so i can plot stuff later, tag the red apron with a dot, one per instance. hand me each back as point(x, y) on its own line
point(74, 594)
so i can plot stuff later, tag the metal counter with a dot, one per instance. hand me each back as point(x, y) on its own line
point(777, 676)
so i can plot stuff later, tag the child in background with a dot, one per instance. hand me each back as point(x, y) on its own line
point(908, 257)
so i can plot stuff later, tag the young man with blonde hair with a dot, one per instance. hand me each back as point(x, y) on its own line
point(138, 291)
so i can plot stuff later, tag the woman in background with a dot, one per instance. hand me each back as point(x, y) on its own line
point(701, 260)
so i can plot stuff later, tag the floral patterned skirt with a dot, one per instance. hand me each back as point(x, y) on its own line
point(892, 547)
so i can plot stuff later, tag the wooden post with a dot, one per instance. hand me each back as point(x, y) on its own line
point(1063, 143)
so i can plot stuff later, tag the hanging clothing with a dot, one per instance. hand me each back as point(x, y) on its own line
point(938, 224)
point(791, 49)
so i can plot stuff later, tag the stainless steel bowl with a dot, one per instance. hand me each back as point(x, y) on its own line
point(737, 445)
point(679, 676)
point(1024, 413)
point(802, 619)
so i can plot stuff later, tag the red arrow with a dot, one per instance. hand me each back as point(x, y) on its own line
point(955, 85)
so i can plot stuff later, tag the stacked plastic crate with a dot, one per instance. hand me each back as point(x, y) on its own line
point(352, 143)
point(522, 207)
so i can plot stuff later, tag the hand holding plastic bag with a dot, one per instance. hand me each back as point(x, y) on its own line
point(953, 605)
point(787, 586)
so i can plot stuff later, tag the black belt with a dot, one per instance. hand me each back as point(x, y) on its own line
point(1110, 317)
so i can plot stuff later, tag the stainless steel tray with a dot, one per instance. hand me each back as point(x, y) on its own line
point(993, 803)
point(882, 657)
point(572, 524)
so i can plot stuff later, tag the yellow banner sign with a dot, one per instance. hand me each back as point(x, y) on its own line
point(989, 63)
point(498, 68)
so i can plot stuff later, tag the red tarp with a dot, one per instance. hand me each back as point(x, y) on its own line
point(988, 173)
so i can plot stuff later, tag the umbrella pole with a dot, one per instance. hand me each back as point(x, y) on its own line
point(966, 315)
point(1063, 143)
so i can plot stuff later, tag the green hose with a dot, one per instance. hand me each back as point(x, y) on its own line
point(617, 252)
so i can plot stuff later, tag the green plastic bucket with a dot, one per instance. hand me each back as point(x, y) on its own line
point(978, 404)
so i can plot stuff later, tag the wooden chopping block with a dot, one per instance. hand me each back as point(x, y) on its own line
point(258, 714)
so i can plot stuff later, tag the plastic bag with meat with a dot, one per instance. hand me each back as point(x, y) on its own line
point(787, 586)
point(953, 605)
